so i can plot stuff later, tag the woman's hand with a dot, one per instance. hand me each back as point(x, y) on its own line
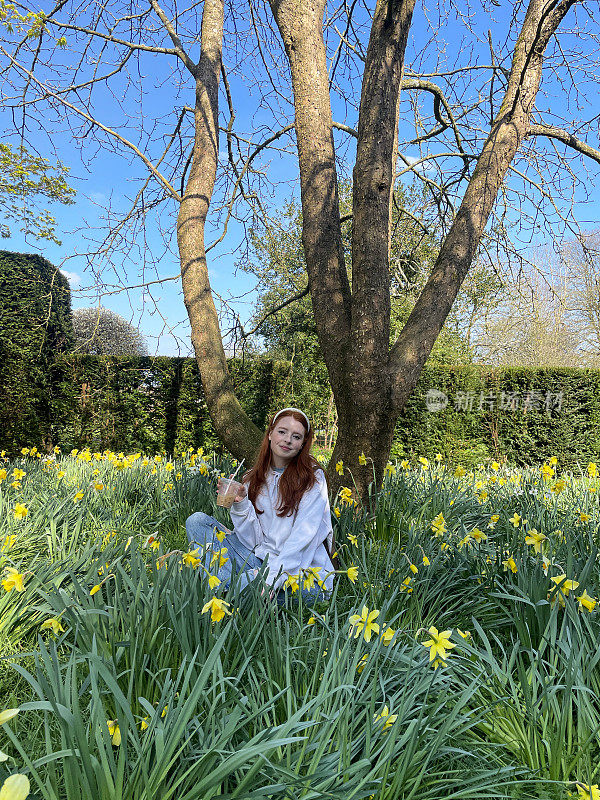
point(239, 496)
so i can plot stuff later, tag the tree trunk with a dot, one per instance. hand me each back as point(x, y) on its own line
point(236, 430)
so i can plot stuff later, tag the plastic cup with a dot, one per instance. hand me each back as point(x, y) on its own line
point(227, 492)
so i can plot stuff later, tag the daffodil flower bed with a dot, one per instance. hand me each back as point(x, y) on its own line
point(457, 657)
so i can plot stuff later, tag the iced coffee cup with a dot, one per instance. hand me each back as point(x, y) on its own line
point(227, 491)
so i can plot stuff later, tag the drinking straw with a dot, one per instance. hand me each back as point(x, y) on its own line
point(241, 464)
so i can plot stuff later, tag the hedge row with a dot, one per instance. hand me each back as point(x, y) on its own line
point(35, 326)
point(466, 413)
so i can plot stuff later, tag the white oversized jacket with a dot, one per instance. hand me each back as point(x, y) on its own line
point(294, 542)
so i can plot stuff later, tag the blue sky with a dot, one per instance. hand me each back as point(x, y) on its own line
point(108, 176)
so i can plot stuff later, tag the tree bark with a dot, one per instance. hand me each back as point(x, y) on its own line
point(232, 424)
point(301, 27)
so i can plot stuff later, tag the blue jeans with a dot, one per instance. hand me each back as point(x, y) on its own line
point(200, 529)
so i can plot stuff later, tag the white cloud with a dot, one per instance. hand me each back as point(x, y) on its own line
point(73, 278)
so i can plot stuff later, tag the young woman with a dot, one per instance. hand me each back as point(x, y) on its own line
point(280, 515)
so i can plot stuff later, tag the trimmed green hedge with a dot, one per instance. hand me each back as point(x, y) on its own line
point(524, 415)
point(35, 326)
point(156, 404)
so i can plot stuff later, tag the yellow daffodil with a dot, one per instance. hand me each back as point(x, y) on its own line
point(405, 585)
point(553, 461)
point(465, 634)
point(78, 497)
point(586, 792)
point(339, 467)
point(565, 586)
point(404, 464)
point(18, 474)
point(353, 540)
point(387, 636)
point(586, 601)
point(509, 564)
point(8, 714)
point(559, 486)
point(478, 536)
point(9, 542)
point(352, 573)
point(389, 718)
point(426, 561)
point(94, 589)
point(424, 462)
point(337, 512)
point(547, 472)
point(191, 559)
point(213, 581)
point(362, 459)
point(495, 466)
point(493, 520)
point(292, 583)
point(515, 519)
point(20, 511)
point(362, 663)
point(144, 723)
point(536, 539)
point(311, 621)
point(13, 580)
point(413, 568)
point(53, 624)
point(219, 555)
point(219, 534)
point(3, 474)
point(114, 731)
point(592, 469)
point(583, 517)
point(438, 525)
point(389, 470)
point(217, 608)
point(364, 622)
point(15, 787)
point(460, 471)
point(438, 645)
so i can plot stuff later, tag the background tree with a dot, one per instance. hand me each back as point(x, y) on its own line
point(462, 99)
point(580, 267)
point(101, 332)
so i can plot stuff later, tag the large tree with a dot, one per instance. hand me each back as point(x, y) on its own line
point(469, 129)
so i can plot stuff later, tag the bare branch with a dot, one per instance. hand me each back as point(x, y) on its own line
point(265, 317)
point(48, 93)
point(566, 138)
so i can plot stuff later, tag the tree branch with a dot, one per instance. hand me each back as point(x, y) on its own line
point(272, 311)
point(566, 138)
point(47, 92)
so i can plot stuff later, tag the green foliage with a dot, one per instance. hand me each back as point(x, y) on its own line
point(35, 327)
point(23, 179)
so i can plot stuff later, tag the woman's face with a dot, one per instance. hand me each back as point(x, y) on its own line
point(287, 438)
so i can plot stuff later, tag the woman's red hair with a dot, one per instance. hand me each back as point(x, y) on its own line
point(298, 477)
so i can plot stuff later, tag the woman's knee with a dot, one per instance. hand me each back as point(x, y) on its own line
point(199, 523)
